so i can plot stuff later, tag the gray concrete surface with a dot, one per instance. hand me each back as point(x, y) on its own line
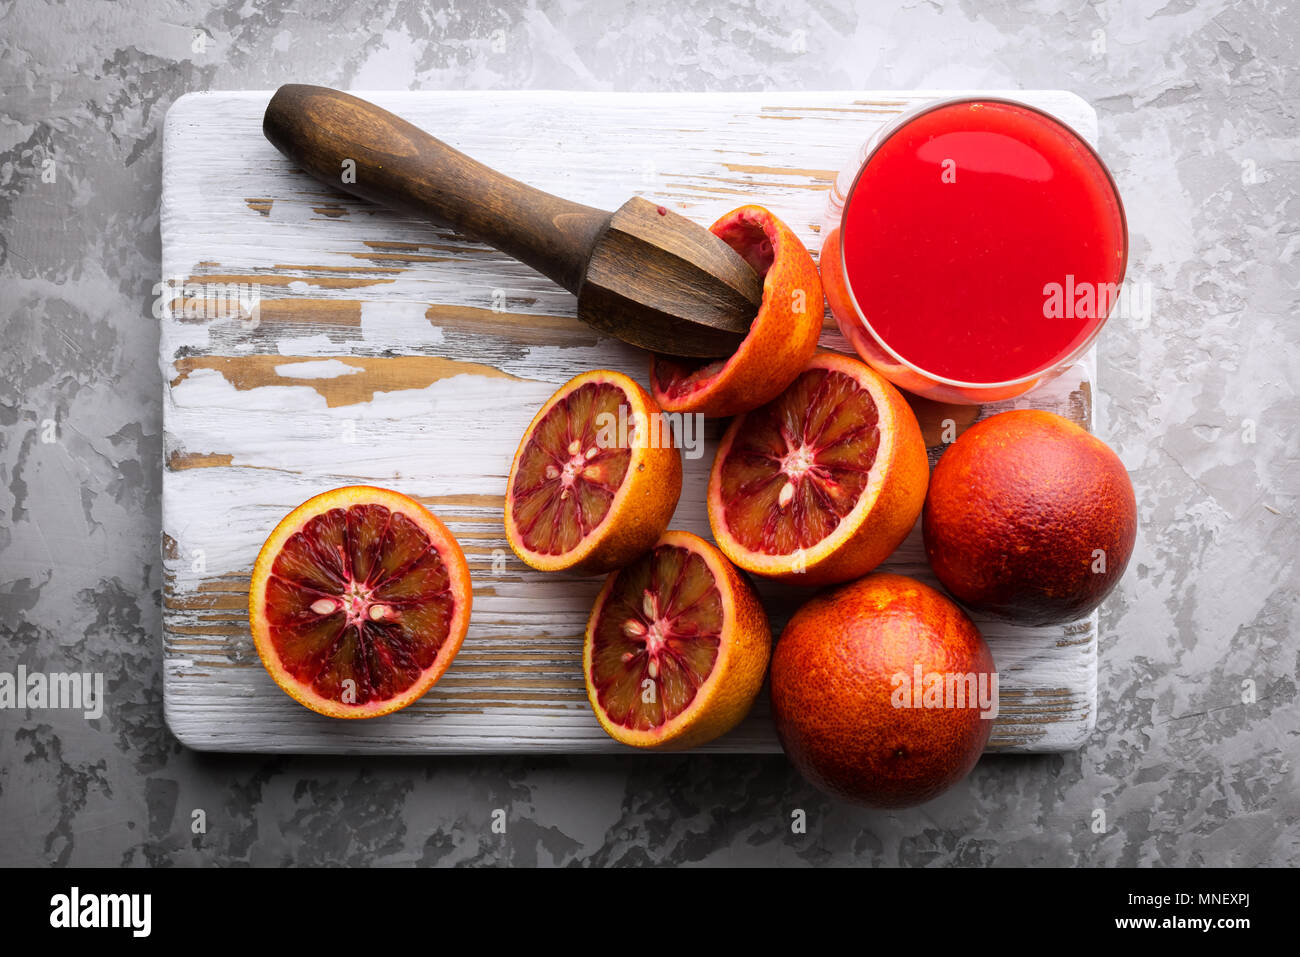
point(1194, 760)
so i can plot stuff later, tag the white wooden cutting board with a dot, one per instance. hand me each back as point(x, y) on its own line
point(389, 352)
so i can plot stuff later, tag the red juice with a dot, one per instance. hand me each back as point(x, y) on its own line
point(983, 242)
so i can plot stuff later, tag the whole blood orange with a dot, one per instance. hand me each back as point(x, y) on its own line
point(359, 601)
point(595, 479)
point(676, 647)
point(824, 481)
point(883, 692)
point(781, 339)
point(1030, 518)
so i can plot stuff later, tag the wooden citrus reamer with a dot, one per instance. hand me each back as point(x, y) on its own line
point(641, 273)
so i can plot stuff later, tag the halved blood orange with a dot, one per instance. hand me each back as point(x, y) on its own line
point(596, 477)
point(359, 601)
point(781, 339)
point(676, 647)
point(823, 482)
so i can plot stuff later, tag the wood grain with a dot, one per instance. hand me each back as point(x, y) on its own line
point(391, 352)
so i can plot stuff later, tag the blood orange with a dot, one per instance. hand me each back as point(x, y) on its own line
point(1030, 518)
point(359, 601)
point(676, 647)
point(595, 479)
point(883, 692)
point(782, 337)
point(823, 482)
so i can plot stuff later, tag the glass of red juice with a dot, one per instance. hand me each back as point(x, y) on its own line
point(976, 251)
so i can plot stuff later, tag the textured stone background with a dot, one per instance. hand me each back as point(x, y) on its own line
point(1198, 107)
